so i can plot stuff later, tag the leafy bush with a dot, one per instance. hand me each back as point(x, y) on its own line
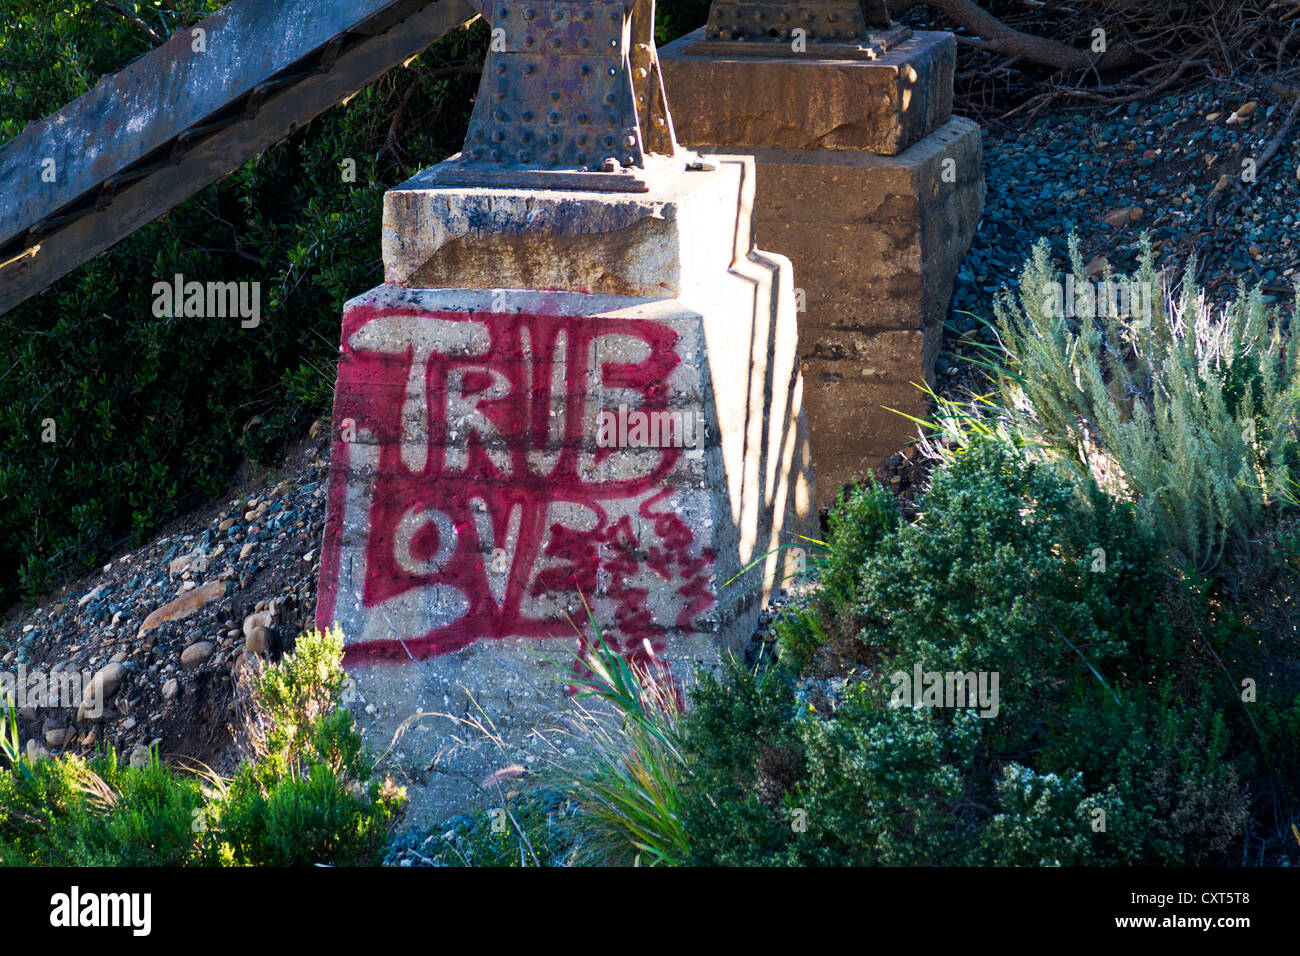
point(102, 812)
point(675, 18)
point(151, 413)
point(1014, 568)
point(829, 624)
point(307, 798)
point(1190, 412)
point(1113, 743)
point(308, 795)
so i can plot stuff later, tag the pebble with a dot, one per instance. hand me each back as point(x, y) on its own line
point(140, 756)
point(196, 560)
point(165, 583)
point(257, 619)
point(257, 640)
point(102, 688)
point(196, 654)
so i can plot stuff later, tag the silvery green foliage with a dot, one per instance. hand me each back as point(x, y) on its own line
point(1189, 410)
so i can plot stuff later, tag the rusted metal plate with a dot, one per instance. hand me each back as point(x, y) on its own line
point(851, 29)
point(571, 98)
point(55, 227)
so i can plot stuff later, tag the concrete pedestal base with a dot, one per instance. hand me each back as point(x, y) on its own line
point(503, 454)
point(874, 192)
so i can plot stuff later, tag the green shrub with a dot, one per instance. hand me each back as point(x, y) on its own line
point(675, 18)
point(1015, 568)
point(828, 624)
point(307, 798)
point(745, 756)
point(1189, 412)
point(101, 812)
point(1115, 742)
point(151, 414)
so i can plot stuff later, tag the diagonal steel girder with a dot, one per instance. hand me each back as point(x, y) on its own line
point(187, 113)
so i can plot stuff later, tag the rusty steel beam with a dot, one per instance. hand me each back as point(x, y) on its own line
point(184, 115)
point(571, 98)
point(848, 29)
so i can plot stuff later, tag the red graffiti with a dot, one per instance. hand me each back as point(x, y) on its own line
point(470, 500)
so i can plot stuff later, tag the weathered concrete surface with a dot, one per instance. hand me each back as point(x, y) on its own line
point(877, 242)
point(472, 505)
point(875, 239)
point(804, 102)
point(680, 235)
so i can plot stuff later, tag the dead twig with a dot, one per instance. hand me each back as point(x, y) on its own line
point(136, 21)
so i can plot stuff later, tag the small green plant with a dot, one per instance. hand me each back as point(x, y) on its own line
point(827, 625)
point(627, 774)
point(1188, 411)
point(307, 796)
